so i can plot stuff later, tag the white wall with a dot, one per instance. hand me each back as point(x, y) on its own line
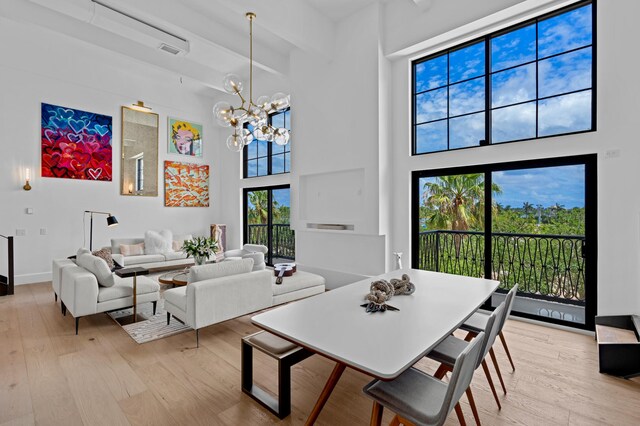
point(618, 201)
point(37, 66)
point(406, 25)
point(336, 108)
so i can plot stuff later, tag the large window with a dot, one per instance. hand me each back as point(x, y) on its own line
point(262, 158)
point(530, 81)
point(527, 223)
point(267, 218)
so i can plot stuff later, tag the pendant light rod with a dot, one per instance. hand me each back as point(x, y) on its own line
point(250, 16)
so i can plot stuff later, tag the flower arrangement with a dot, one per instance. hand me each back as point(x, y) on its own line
point(201, 248)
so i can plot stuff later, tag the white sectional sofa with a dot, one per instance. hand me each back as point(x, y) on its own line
point(221, 291)
point(167, 260)
point(88, 287)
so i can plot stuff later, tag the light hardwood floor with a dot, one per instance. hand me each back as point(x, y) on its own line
point(50, 376)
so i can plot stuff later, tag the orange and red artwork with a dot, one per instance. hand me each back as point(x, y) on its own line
point(186, 184)
point(76, 144)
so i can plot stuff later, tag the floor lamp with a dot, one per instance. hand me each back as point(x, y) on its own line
point(111, 221)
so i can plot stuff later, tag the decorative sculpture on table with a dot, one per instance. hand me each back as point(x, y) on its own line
point(398, 258)
point(382, 290)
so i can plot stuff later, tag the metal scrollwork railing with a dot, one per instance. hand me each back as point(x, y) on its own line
point(545, 266)
point(282, 240)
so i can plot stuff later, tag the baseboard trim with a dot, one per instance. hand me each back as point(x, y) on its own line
point(33, 278)
point(546, 324)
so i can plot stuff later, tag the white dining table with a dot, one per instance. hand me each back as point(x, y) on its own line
point(380, 344)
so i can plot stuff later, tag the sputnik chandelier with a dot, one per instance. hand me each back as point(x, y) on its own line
point(256, 114)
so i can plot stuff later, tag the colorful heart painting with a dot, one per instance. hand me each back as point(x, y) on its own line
point(186, 184)
point(75, 144)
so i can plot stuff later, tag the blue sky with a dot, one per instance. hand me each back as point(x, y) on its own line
point(282, 196)
point(257, 151)
point(557, 75)
point(545, 186)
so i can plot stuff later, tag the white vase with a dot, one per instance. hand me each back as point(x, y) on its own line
point(200, 260)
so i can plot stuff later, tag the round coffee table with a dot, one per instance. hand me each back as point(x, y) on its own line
point(174, 278)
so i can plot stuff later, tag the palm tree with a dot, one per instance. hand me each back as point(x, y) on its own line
point(527, 208)
point(456, 202)
point(258, 207)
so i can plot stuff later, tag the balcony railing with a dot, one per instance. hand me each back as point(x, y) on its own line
point(548, 267)
point(283, 241)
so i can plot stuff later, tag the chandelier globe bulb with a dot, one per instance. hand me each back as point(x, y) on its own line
point(232, 84)
point(235, 142)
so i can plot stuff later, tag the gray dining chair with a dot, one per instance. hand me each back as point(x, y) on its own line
point(420, 399)
point(447, 352)
point(478, 322)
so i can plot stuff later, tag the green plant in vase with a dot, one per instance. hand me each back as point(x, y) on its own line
point(201, 248)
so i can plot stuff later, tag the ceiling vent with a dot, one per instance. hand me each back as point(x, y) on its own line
point(170, 49)
point(110, 19)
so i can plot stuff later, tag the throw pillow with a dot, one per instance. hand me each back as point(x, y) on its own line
point(106, 255)
point(98, 267)
point(132, 250)
point(217, 270)
point(178, 241)
point(158, 242)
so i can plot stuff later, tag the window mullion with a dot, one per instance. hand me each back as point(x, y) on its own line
point(487, 91)
point(448, 99)
point(537, 83)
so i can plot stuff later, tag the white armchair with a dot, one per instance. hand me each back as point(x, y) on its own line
point(249, 251)
point(89, 287)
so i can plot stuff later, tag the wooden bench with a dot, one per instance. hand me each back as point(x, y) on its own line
point(287, 354)
point(619, 345)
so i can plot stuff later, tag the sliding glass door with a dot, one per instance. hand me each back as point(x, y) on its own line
point(530, 223)
point(451, 224)
point(267, 222)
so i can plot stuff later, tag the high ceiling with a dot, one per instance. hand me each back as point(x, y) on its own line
point(339, 9)
point(216, 30)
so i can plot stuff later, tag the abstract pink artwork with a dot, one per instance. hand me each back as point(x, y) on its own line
point(75, 144)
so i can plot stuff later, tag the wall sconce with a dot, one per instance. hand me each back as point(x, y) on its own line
point(140, 106)
point(27, 174)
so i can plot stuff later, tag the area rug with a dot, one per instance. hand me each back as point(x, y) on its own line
point(155, 327)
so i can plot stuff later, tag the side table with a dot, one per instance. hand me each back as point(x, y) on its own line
point(126, 273)
point(175, 278)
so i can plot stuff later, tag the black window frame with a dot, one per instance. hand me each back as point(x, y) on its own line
point(270, 153)
point(590, 251)
point(245, 211)
point(140, 173)
point(488, 73)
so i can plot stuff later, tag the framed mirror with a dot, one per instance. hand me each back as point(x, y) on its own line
point(139, 175)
